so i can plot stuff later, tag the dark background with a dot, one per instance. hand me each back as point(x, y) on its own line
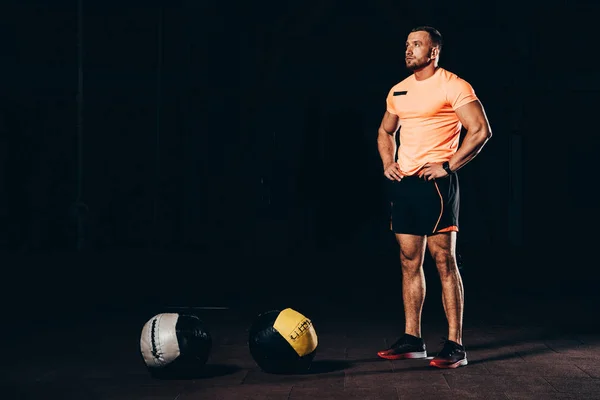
point(228, 149)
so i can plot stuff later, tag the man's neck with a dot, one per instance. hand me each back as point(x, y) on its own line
point(426, 72)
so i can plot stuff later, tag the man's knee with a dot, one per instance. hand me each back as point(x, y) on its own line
point(412, 251)
point(445, 261)
point(411, 262)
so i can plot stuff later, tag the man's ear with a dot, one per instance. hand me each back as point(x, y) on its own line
point(435, 52)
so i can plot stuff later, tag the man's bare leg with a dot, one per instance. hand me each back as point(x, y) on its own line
point(442, 247)
point(412, 252)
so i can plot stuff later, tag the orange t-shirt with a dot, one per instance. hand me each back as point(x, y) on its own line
point(430, 129)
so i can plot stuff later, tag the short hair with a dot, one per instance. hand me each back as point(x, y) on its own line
point(434, 34)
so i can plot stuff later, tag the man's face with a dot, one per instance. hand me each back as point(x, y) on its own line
point(419, 50)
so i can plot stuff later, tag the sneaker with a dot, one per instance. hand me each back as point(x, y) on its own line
point(407, 346)
point(453, 355)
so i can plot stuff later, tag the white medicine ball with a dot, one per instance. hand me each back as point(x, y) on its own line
point(174, 342)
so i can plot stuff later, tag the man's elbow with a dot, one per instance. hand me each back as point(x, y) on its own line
point(384, 135)
point(483, 132)
point(487, 133)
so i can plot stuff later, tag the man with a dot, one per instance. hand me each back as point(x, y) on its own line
point(429, 109)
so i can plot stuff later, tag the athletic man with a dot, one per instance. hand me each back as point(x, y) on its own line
point(429, 109)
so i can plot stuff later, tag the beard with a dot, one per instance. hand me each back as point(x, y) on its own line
point(415, 65)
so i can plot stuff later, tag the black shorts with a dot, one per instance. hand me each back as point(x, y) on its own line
point(421, 207)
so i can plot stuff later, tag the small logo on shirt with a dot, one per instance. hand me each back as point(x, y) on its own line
point(400, 93)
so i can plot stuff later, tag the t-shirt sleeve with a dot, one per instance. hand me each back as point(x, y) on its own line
point(459, 92)
point(389, 102)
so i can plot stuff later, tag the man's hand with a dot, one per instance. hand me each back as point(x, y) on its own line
point(392, 172)
point(431, 171)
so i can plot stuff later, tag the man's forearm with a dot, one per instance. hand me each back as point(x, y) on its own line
point(386, 146)
point(471, 146)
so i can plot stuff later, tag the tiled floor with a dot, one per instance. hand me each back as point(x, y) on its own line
point(518, 348)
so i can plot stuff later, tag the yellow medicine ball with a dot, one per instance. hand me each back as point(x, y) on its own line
point(283, 341)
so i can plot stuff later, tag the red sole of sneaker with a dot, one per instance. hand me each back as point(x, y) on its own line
point(448, 366)
point(407, 356)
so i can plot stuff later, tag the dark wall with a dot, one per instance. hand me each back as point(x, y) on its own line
point(38, 125)
point(243, 129)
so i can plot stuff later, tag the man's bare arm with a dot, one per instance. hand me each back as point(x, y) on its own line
point(473, 118)
point(385, 138)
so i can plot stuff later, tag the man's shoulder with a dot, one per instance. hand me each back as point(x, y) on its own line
point(403, 83)
point(458, 90)
point(450, 77)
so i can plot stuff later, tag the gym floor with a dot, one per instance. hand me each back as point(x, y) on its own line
point(520, 345)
